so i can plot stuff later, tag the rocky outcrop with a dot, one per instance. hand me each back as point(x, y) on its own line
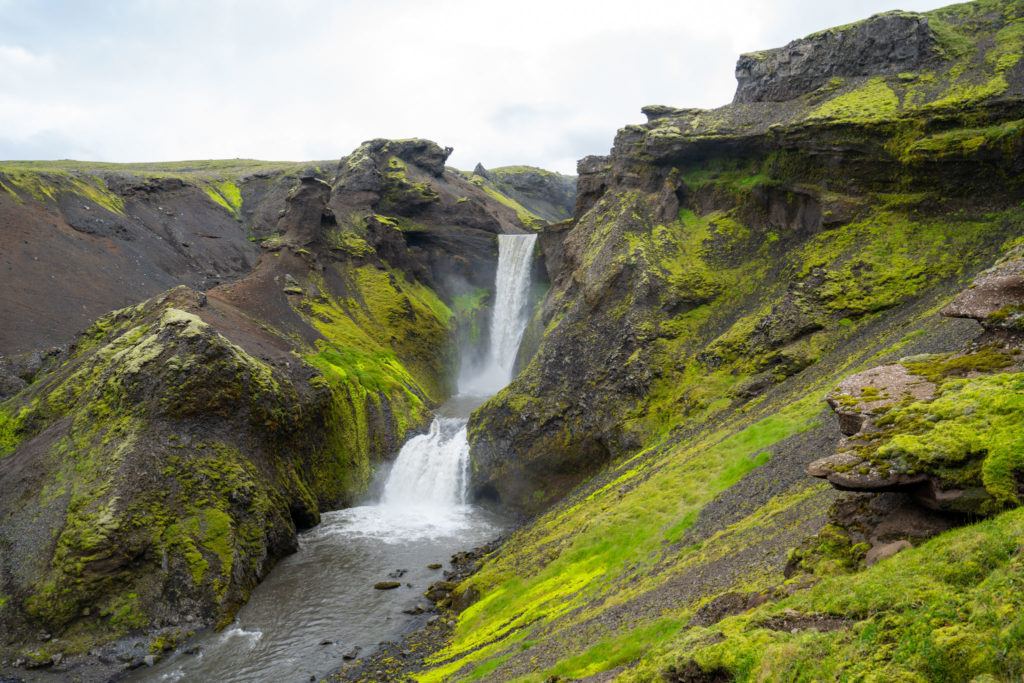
point(545, 194)
point(996, 297)
point(887, 43)
point(938, 426)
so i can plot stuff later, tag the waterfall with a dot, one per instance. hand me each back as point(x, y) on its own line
point(508, 317)
point(432, 469)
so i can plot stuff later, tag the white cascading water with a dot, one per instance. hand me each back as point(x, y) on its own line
point(433, 469)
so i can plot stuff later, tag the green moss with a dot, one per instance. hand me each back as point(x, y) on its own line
point(617, 532)
point(947, 610)
point(971, 420)
point(962, 142)
point(889, 257)
point(347, 241)
point(872, 101)
point(401, 190)
point(124, 613)
point(95, 190)
point(11, 425)
point(940, 367)
point(830, 552)
point(226, 194)
point(526, 217)
point(467, 309)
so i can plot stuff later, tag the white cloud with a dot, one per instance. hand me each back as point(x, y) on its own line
point(539, 82)
point(14, 57)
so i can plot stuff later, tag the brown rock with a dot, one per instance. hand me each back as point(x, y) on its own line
point(996, 297)
point(860, 396)
point(885, 550)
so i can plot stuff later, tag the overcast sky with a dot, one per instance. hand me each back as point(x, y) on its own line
point(541, 82)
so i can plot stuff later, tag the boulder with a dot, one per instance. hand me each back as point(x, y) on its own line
point(996, 297)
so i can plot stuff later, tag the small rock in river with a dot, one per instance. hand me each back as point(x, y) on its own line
point(327, 642)
point(435, 565)
point(386, 585)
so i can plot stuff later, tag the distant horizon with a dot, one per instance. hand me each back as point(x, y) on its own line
point(126, 83)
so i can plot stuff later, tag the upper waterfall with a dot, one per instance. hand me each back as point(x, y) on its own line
point(508, 317)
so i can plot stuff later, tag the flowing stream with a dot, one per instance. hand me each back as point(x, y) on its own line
point(319, 603)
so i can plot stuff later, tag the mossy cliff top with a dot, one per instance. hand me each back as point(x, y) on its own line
point(957, 64)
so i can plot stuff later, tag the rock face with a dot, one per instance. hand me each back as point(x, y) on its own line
point(154, 469)
point(716, 255)
point(888, 43)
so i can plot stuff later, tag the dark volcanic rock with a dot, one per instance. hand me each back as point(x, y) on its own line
point(884, 44)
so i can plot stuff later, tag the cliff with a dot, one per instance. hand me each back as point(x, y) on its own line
point(726, 272)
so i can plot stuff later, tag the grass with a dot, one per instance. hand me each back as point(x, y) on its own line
point(207, 168)
point(612, 535)
point(948, 610)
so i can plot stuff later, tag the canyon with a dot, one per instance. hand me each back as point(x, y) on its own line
point(755, 416)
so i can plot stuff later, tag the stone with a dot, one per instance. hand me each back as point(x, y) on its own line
point(860, 396)
point(387, 585)
point(996, 297)
point(885, 550)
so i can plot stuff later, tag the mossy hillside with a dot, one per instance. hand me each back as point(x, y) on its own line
point(201, 460)
point(46, 187)
point(610, 544)
point(388, 333)
point(386, 357)
point(658, 573)
point(227, 194)
point(774, 279)
point(525, 216)
point(947, 610)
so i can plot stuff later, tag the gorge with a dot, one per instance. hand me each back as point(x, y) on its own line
point(740, 401)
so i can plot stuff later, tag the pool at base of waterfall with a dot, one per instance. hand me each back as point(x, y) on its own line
point(320, 604)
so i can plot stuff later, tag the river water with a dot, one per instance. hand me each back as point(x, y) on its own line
point(319, 603)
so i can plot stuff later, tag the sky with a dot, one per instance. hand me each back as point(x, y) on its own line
point(539, 82)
